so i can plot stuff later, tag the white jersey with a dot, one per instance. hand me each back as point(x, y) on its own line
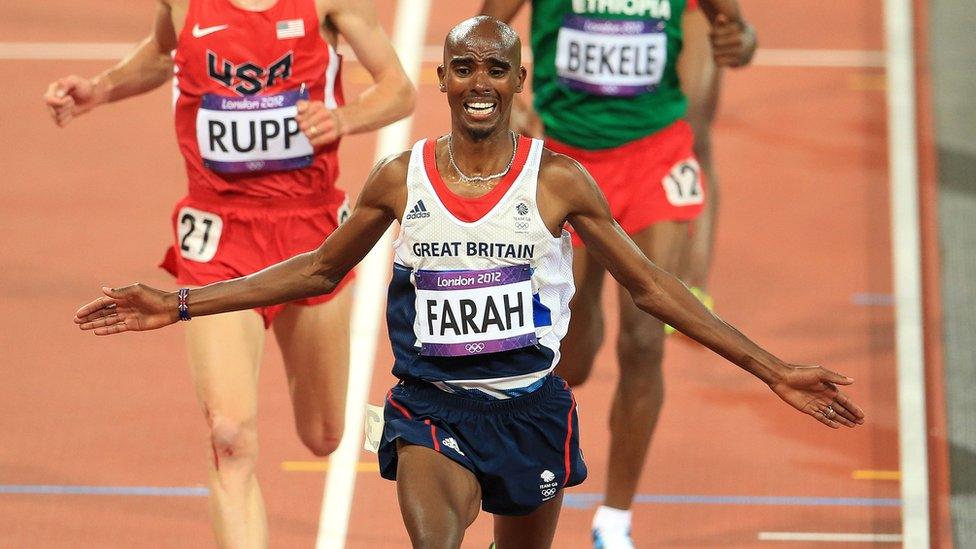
point(478, 303)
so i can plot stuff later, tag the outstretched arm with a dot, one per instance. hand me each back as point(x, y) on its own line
point(145, 69)
point(809, 389)
point(139, 307)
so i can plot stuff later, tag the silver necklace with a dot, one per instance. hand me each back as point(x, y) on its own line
point(479, 178)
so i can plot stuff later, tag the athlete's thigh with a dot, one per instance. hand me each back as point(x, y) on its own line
point(663, 243)
point(438, 497)
point(532, 531)
point(314, 342)
point(225, 356)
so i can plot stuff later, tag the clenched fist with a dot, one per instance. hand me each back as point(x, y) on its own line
point(70, 96)
point(733, 42)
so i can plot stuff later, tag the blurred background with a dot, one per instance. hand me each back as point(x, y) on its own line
point(831, 250)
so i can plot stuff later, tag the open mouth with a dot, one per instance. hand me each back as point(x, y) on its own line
point(480, 108)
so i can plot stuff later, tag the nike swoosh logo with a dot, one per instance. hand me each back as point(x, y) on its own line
point(198, 32)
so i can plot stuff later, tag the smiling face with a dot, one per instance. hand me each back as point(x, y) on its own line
point(481, 72)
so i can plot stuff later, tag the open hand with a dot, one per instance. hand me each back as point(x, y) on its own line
point(733, 42)
point(70, 96)
point(130, 309)
point(320, 125)
point(813, 390)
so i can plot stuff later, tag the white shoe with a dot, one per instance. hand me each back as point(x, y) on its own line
point(609, 539)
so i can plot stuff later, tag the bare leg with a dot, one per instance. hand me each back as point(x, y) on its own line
point(700, 80)
point(585, 334)
point(532, 531)
point(640, 389)
point(438, 498)
point(314, 342)
point(225, 353)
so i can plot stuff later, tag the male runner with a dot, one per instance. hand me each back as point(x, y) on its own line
point(701, 80)
point(259, 111)
point(476, 312)
point(606, 94)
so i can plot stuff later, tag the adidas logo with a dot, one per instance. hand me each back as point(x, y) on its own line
point(450, 442)
point(419, 211)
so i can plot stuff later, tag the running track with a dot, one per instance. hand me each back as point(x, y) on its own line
point(803, 266)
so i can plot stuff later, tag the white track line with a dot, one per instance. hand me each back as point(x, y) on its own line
point(431, 53)
point(409, 32)
point(830, 536)
point(906, 257)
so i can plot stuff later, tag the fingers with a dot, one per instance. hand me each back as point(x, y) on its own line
point(834, 377)
point(854, 411)
point(60, 106)
point(732, 42)
point(822, 418)
point(834, 414)
point(319, 124)
point(102, 303)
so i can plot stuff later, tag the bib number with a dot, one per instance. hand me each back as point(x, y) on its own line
point(252, 134)
point(682, 184)
point(198, 234)
point(610, 57)
point(462, 313)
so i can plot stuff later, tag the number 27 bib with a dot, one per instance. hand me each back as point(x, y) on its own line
point(462, 313)
point(609, 57)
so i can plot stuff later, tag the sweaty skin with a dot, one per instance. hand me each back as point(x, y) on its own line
point(225, 351)
point(438, 497)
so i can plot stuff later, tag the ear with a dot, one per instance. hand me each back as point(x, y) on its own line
point(441, 73)
point(521, 79)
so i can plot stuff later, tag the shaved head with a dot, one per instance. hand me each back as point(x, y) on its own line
point(484, 30)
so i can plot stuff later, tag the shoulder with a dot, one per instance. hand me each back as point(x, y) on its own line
point(562, 171)
point(335, 7)
point(392, 169)
point(386, 186)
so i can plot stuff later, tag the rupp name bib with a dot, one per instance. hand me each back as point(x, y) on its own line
point(472, 312)
point(607, 57)
point(252, 133)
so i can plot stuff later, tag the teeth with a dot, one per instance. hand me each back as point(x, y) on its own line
point(479, 107)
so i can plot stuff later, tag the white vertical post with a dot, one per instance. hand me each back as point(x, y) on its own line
point(409, 33)
point(906, 256)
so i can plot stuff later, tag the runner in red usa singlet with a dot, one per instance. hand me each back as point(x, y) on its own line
point(238, 77)
point(259, 112)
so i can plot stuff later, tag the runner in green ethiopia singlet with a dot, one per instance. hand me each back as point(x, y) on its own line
point(605, 71)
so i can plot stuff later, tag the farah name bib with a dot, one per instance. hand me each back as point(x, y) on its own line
point(461, 313)
point(607, 57)
point(252, 134)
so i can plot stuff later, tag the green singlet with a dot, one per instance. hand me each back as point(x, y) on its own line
point(605, 71)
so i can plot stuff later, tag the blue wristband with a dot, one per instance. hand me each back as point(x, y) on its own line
point(184, 310)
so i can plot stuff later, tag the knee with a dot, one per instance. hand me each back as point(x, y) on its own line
point(320, 439)
point(641, 348)
point(234, 442)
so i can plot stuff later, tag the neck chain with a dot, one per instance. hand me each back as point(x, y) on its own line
point(479, 178)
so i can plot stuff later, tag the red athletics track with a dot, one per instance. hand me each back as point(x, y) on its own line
point(804, 229)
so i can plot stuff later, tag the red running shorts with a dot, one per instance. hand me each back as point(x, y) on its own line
point(218, 238)
point(652, 179)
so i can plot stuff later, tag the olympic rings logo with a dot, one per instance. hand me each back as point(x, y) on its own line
point(475, 347)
